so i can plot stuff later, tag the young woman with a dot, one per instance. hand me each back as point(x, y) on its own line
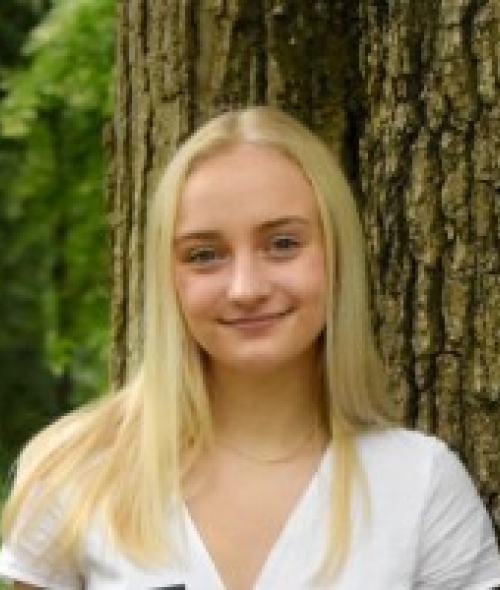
point(254, 448)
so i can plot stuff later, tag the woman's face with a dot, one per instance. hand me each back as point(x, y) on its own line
point(249, 259)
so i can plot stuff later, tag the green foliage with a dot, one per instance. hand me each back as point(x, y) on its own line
point(71, 53)
point(54, 263)
point(17, 17)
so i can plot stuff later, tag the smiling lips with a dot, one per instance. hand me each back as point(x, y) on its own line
point(256, 320)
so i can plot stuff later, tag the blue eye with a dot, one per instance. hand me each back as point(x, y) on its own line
point(202, 255)
point(284, 243)
point(283, 247)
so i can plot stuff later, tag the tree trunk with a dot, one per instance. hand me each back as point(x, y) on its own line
point(408, 92)
point(430, 170)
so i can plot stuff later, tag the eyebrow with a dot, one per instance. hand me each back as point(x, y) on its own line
point(266, 226)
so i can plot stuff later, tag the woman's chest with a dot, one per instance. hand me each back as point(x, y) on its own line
point(240, 522)
point(378, 559)
point(293, 564)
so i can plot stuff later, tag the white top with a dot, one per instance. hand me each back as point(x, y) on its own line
point(427, 530)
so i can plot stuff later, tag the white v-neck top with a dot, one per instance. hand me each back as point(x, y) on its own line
point(427, 530)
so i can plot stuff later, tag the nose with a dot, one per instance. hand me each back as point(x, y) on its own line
point(249, 282)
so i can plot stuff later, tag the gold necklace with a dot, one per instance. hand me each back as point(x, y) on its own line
point(286, 458)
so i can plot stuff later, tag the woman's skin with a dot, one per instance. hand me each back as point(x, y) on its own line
point(250, 274)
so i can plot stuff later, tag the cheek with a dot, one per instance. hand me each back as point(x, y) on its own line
point(196, 293)
point(187, 293)
point(315, 296)
point(315, 278)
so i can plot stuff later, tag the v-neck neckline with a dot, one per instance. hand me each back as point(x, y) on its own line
point(292, 521)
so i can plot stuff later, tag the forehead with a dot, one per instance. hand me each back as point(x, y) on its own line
point(244, 184)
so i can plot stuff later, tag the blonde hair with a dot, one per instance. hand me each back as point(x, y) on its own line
point(126, 453)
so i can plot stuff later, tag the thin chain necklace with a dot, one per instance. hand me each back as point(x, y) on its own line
point(288, 457)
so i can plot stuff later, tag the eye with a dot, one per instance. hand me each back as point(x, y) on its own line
point(202, 255)
point(284, 245)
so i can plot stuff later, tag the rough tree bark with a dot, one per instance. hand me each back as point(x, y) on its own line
point(430, 173)
point(409, 93)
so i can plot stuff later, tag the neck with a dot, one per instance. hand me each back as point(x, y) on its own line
point(265, 414)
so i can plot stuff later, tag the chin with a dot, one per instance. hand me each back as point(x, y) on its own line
point(261, 363)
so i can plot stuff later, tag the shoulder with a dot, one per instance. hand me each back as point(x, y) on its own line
point(419, 485)
point(54, 469)
point(27, 554)
point(407, 468)
point(41, 509)
point(400, 448)
point(419, 464)
point(401, 438)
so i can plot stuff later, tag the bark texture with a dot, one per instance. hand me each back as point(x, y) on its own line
point(430, 171)
point(409, 93)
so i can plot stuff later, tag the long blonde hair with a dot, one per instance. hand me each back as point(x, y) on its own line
point(126, 453)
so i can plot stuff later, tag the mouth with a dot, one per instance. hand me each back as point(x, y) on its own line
point(254, 320)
